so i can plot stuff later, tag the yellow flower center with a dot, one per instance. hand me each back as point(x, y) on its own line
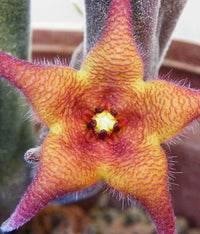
point(104, 121)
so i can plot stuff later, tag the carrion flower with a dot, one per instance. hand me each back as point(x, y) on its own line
point(105, 124)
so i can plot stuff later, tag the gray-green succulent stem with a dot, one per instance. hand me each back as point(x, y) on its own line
point(16, 133)
point(153, 23)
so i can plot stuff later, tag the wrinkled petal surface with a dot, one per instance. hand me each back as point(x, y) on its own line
point(59, 173)
point(80, 151)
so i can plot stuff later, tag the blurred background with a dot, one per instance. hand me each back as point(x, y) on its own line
point(62, 15)
point(57, 29)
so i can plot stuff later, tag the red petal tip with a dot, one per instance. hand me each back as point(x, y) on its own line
point(7, 226)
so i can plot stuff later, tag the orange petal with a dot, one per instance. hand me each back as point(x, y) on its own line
point(143, 177)
point(48, 88)
point(115, 57)
point(58, 173)
point(170, 108)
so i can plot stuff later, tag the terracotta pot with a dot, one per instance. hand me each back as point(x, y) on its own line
point(181, 63)
point(48, 45)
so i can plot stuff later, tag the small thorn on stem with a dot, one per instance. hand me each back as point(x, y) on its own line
point(32, 155)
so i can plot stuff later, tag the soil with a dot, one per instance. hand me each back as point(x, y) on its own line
point(104, 216)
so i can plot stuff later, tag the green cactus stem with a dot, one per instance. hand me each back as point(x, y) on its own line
point(16, 133)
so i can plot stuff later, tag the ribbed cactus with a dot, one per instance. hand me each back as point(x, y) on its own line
point(15, 130)
point(153, 22)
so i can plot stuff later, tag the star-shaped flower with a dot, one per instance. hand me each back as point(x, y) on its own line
point(105, 123)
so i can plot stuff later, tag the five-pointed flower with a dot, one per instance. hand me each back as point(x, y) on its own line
point(105, 123)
